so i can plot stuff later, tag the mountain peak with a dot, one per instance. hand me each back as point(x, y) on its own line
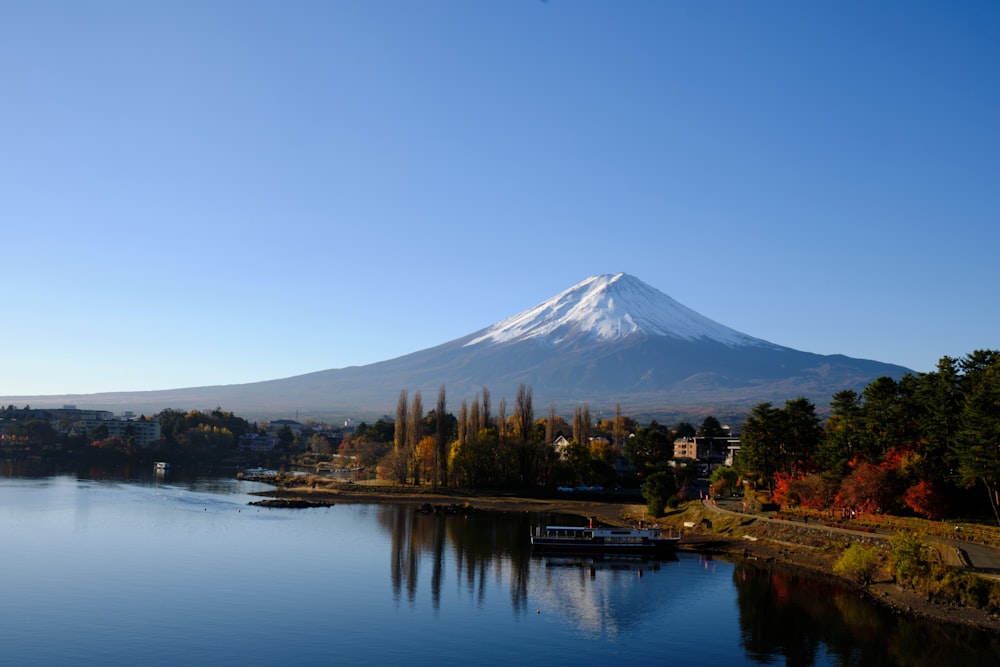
point(610, 307)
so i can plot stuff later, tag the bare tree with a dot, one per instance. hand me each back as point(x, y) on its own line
point(475, 418)
point(502, 420)
point(581, 424)
point(485, 412)
point(463, 424)
point(550, 425)
point(524, 414)
point(618, 431)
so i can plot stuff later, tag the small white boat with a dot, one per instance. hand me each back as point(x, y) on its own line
point(161, 466)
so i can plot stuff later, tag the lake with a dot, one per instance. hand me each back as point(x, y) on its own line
point(112, 571)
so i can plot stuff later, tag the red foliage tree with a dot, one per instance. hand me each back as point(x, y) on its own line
point(815, 491)
point(812, 490)
point(782, 493)
point(924, 499)
point(868, 488)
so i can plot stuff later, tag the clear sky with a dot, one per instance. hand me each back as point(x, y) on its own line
point(196, 193)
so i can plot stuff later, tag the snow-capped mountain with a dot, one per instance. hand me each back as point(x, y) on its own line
point(609, 308)
point(609, 340)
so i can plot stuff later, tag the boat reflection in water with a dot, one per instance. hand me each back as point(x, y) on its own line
point(604, 595)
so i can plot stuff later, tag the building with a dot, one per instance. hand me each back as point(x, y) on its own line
point(142, 432)
point(560, 444)
point(703, 450)
point(255, 442)
point(69, 419)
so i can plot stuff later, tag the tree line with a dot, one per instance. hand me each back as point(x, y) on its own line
point(927, 444)
point(194, 435)
point(487, 445)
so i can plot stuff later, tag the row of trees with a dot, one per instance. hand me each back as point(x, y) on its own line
point(922, 444)
point(506, 445)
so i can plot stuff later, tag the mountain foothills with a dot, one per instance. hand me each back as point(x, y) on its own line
point(609, 340)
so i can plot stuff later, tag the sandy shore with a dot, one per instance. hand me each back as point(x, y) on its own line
point(702, 529)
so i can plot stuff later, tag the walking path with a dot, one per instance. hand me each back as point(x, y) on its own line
point(973, 556)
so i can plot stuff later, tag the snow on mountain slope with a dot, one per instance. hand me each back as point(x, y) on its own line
point(610, 307)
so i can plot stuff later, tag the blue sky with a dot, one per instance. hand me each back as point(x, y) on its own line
point(200, 193)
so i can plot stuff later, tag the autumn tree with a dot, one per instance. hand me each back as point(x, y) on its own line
point(424, 456)
point(415, 431)
point(399, 438)
point(320, 444)
point(869, 488)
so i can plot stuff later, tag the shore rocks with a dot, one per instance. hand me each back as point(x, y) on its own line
point(448, 510)
point(292, 503)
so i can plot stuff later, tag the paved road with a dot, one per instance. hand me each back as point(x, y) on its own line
point(980, 557)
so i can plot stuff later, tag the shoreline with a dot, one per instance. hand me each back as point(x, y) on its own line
point(702, 530)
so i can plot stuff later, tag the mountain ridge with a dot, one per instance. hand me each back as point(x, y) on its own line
point(608, 340)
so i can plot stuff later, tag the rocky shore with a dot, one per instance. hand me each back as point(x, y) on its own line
point(703, 529)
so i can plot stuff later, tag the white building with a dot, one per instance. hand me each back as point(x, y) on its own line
point(143, 433)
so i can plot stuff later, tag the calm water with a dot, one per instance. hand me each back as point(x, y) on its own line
point(159, 573)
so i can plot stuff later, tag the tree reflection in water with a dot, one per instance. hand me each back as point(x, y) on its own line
point(801, 617)
point(780, 613)
point(479, 548)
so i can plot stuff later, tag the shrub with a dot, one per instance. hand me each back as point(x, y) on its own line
point(858, 563)
point(962, 589)
point(658, 490)
point(908, 559)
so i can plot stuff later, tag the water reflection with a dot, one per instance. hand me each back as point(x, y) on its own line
point(607, 597)
point(479, 548)
point(603, 596)
point(806, 619)
point(79, 554)
point(803, 619)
